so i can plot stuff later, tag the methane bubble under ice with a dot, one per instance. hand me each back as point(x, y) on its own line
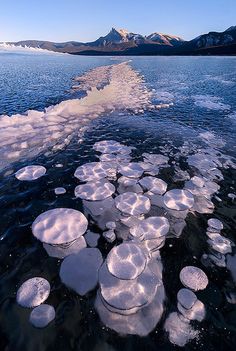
point(59, 226)
point(193, 278)
point(95, 191)
point(33, 292)
point(126, 261)
point(132, 203)
point(42, 315)
point(79, 272)
point(30, 173)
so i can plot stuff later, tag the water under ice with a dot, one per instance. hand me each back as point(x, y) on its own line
point(130, 293)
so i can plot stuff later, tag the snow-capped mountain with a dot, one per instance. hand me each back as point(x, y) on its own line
point(165, 39)
point(123, 42)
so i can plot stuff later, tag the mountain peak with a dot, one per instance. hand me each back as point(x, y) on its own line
point(230, 28)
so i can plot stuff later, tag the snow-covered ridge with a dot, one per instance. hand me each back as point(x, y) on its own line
point(37, 132)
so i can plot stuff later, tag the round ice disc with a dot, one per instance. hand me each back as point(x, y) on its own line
point(59, 226)
point(126, 261)
point(178, 199)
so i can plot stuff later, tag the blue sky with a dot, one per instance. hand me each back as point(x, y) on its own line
point(85, 20)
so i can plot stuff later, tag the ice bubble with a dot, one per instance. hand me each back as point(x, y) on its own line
point(232, 196)
point(92, 239)
point(196, 187)
point(42, 315)
point(196, 312)
point(30, 172)
point(151, 228)
point(131, 170)
point(127, 181)
point(112, 147)
point(132, 203)
point(80, 271)
point(215, 223)
point(202, 205)
point(95, 191)
point(59, 191)
point(179, 329)
point(59, 226)
point(97, 208)
point(231, 265)
point(63, 250)
point(193, 278)
point(128, 294)
point(220, 244)
point(152, 245)
point(111, 225)
point(149, 168)
point(140, 323)
point(92, 171)
point(33, 292)
point(156, 159)
point(109, 235)
point(186, 298)
point(177, 199)
point(155, 185)
point(126, 261)
point(130, 221)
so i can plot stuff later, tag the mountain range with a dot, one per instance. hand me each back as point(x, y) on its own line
point(123, 42)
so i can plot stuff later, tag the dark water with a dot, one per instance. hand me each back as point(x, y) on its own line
point(36, 81)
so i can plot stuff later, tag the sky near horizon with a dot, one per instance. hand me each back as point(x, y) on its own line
point(86, 20)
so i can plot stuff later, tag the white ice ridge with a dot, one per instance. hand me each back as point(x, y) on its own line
point(5, 47)
point(35, 132)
